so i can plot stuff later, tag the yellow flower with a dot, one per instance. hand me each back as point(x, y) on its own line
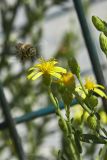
point(66, 86)
point(45, 68)
point(96, 88)
point(67, 79)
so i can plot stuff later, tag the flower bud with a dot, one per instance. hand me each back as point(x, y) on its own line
point(85, 116)
point(66, 87)
point(92, 122)
point(92, 101)
point(78, 114)
point(99, 24)
point(74, 67)
point(103, 117)
point(67, 81)
point(103, 43)
point(67, 98)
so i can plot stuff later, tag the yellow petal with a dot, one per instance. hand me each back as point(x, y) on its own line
point(60, 69)
point(37, 75)
point(100, 86)
point(57, 75)
point(37, 65)
point(54, 62)
point(32, 68)
point(100, 92)
point(31, 75)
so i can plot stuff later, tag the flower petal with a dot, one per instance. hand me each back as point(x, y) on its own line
point(60, 69)
point(31, 74)
point(37, 65)
point(100, 92)
point(57, 75)
point(37, 75)
point(53, 61)
point(32, 68)
point(100, 86)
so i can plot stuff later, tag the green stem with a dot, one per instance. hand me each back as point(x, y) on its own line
point(56, 105)
point(79, 79)
point(82, 103)
point(52, 98)
point(67, 109)
point(83, 88)
point(71, 146)
point(88, 110)
point(82, 120)
point(72, 143)
point(70, 140)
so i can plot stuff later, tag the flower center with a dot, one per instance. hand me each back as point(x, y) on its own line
point(46, 67)
point(89, 85)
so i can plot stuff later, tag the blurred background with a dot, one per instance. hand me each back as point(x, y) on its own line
point(52, 27)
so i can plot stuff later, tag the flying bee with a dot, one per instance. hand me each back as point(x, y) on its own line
point(26, 51)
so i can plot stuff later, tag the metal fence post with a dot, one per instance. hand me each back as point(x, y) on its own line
point(11, 126)
point(90, 46)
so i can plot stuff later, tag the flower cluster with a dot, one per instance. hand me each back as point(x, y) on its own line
point(86, 95)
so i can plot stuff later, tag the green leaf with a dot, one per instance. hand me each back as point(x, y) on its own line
point(105, 132)
point(77, 141)
point(90, 138)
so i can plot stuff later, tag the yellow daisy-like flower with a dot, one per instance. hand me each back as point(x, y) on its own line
point(98, 89)
point(46, 68)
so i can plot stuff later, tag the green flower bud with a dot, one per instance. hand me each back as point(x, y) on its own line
point(92, 101)
point(103, 116)
point(103, 43)
point(63, 126)
point(67, 83)
point(92, 122)
point(99, 24)
point(74, 67)
point(67, 98)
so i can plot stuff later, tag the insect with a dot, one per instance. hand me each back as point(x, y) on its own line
point(26, 51)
